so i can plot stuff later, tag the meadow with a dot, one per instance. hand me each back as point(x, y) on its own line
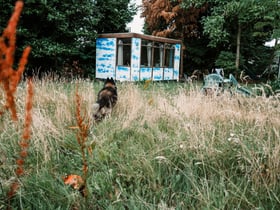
point(166, 146)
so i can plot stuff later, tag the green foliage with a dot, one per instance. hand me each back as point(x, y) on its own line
point(275, 86)
point(114, 15)
point(214, 27)
point(190, 3)
point(198, 56)
point(259, 22)
point(270, 89)
point(226, 60)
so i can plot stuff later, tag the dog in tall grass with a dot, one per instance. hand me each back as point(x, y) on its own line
point(106, 100)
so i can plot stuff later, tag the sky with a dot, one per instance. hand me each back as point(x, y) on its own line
point(137, 23)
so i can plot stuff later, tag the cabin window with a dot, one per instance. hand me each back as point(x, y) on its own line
point(146, 53)
point(158, 55)
point(169, 56)
point(124, 52)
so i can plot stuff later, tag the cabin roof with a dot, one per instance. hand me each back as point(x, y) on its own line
point(142, 36)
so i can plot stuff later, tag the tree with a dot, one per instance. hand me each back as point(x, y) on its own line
point(169, 19)
point(113, 15)
point(240, 17)
point(64, 33)
point(215, 30)
point(180, 20)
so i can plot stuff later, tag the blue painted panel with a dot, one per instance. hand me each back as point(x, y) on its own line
point(135, 59)
point(145, 73)
point(157, 74)
point(168, 73)
point(105, 57)
point(123, 73)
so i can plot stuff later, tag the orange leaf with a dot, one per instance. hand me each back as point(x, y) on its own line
point(74, 181)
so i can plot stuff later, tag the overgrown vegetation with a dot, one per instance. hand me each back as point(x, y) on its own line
point(166, 146)
point(272, 88)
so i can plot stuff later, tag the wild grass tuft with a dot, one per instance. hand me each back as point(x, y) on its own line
point(165, 147)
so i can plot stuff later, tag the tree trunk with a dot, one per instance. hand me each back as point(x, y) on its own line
point(278, 76)
point(276, 42)
point(237, 60)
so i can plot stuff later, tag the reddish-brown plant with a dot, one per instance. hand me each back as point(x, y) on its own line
point(24, 143)
point(168, 19)
point(9, 78)
point(83, 124)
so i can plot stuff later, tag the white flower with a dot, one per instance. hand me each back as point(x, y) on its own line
point(160, 158)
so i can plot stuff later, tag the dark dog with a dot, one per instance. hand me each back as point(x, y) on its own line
point(106, 99)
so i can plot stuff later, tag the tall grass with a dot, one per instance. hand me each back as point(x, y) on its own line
point(166, 146)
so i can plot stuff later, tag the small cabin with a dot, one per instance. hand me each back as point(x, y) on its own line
point(137, 57)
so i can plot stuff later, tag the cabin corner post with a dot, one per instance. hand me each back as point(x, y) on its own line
point(181, 63)
point(135, 59)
